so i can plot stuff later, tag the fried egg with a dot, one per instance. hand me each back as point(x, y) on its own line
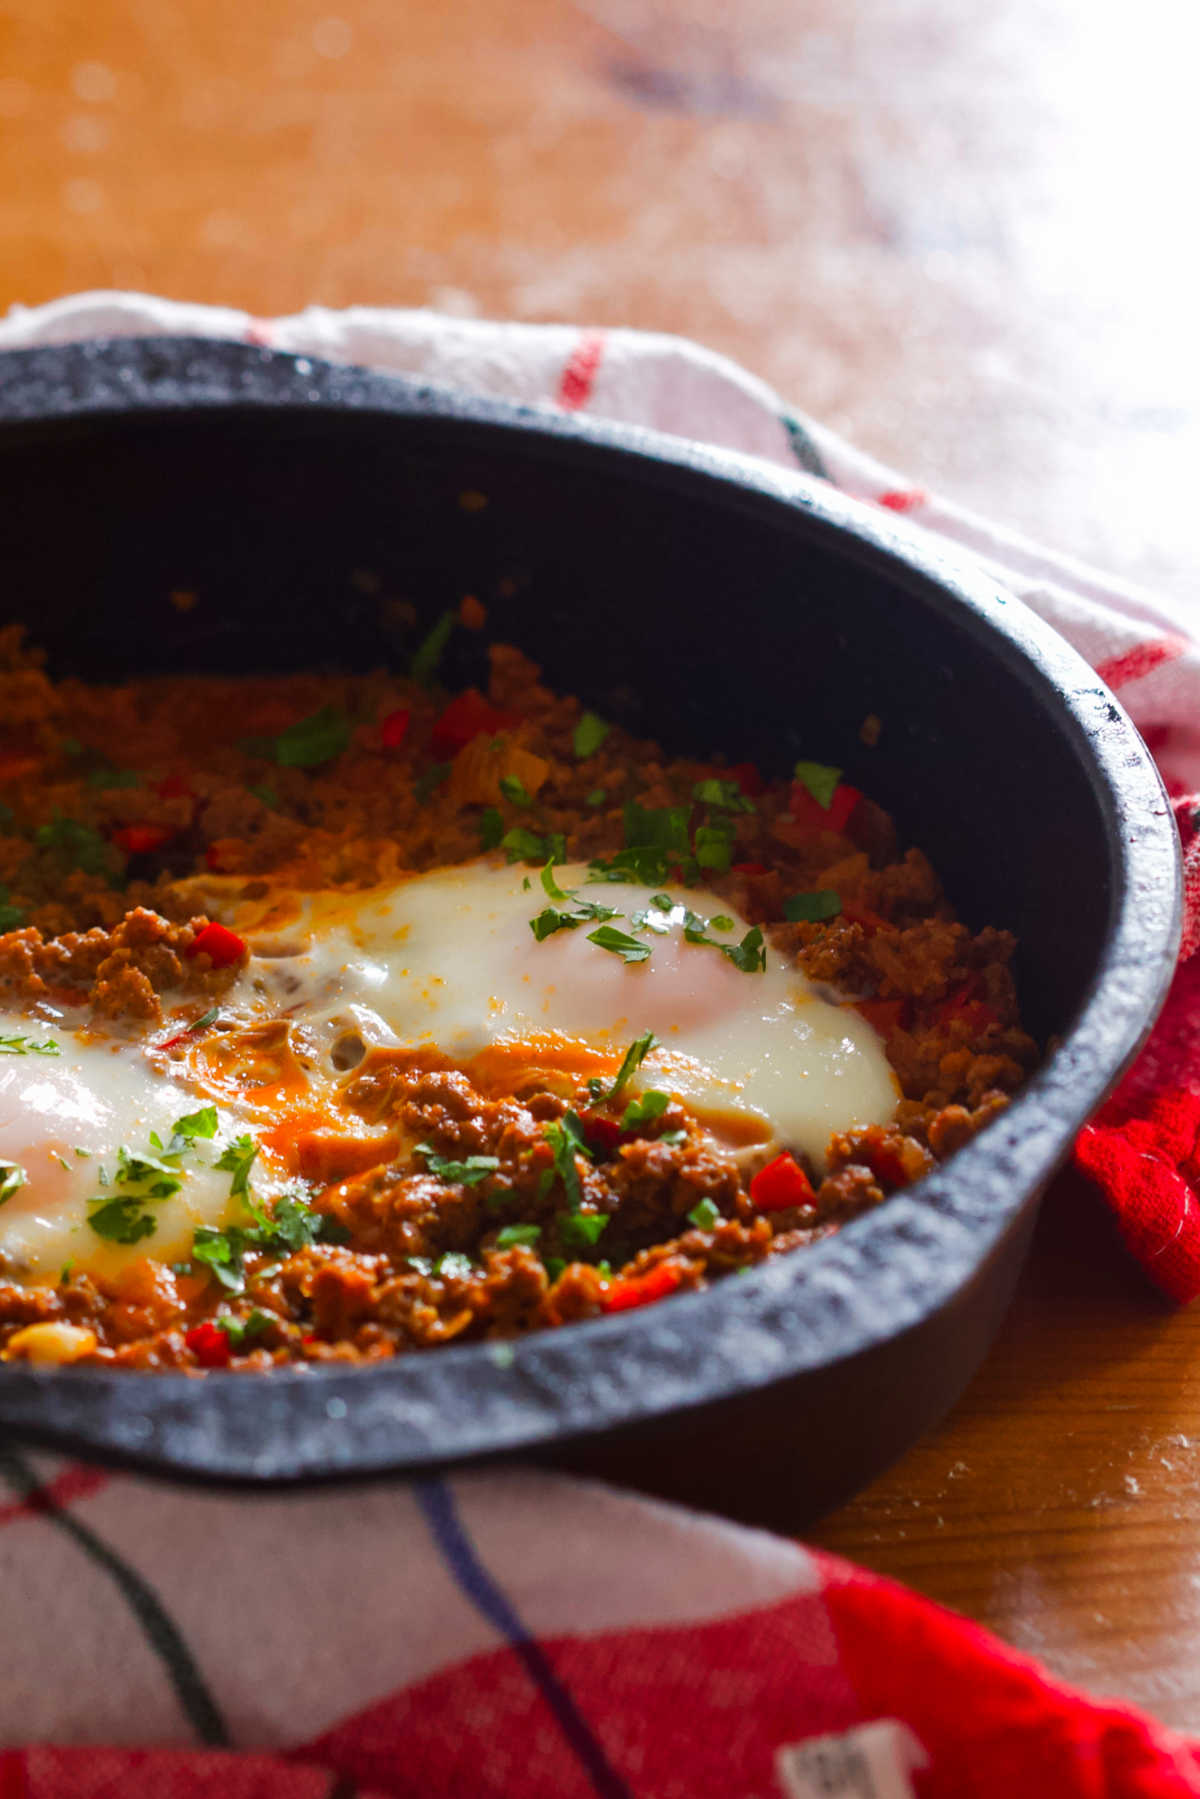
point(445, 962)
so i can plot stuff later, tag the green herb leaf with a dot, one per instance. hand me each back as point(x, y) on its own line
point(820, 780)
point(522, 845)
point(491, 828)
point(79, 846)
point(429, 651)
point(726, 796)
point(590, 733)
point(704, 1215)
point(196, 1124)
point(237, 1158)
point(554, 1266)
point(11, 917)
point(721, 923)
point(451, 1266)
point(749, 955)
point(595, 798)
point(121, 1220)
point(620, 943)
point(26, 1046)
point(157, 1178)
point(645, 1109)
point(823, 903)
point(221, 1253)
point(467, 1173)
point(431, 778)
point(514, 1234)
point(12, 1179)
point(635, 1055)
point(582, 1229)
point(565, 1137)
point(552, 888)
point(312, 741)
point(244, 1330)
point(713, 847)
point(515, 790)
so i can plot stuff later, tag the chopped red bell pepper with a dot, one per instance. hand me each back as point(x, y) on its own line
point(222, 946)
point(750, 868)
point(887, 1015)
point(394, 728)
point(748, 779)
point(782, 1183)
point(139, 840)
point(810, 813)
point(209, 1344)
point(467, 716)
point(602, 1133)
point(642, 1289)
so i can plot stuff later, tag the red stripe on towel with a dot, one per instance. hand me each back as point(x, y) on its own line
point(579, 375)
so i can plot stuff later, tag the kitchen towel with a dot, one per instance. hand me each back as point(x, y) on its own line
point(524, 1634)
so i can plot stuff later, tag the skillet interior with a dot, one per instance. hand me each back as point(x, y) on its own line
point(710, 603)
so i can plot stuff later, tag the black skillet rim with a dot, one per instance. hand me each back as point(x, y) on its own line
point(879, 1277)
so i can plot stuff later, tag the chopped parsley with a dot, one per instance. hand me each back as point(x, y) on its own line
point(312, 741)
point(725, 796)
point(823, 903)
point(294, 1226)
point(582, 1229)
point(515, 791)
point(518, 1234)
point(431, 778)
point(156, 1178)
point(565, 1137)
point(468, 1173)
point(554, 1266)
point(429, 651)
point(237, 1158)
point(244, 1330)
point(704, 1215)
point(590, 733)
point(11, 917)
point(491, 828)
point(634, 1056)
point(595, 798)
point(750, 954)
point(620, 943)
point(820, 780)
point(453, 1266)
point(186, 1130)
point(713, 847)
point(645, 1109)
point(12, 1179)
point(25, 1046)
point(522, 845)
point(121, 1220)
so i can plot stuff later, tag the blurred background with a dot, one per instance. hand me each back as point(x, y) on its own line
point(961, 235)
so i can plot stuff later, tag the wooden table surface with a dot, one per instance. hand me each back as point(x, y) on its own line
point(962, 235)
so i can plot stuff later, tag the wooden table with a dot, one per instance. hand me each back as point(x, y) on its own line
point(948, 231)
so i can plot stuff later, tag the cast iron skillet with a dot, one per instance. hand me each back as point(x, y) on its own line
point(716, 604)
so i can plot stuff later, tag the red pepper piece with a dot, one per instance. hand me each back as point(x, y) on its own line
point(887, 1015)
point(836, 816)
point(782, 1183)
point(750, 868)
point(223, 947)
point(748, 779)
point(394, 728)
point(468, 716)
point(209, 1344)
point(602, 1133)
point(642, 1289)
point(138, 840)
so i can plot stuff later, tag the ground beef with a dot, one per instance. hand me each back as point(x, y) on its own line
point(112, 801)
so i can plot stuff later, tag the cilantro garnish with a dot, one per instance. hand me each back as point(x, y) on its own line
point(582, 1228)
point(455, 1266)
point(551, 886)
point(726, 796)
point(823, 903)
point(515, 791)
point(704, 1215)
point(12, 1179)
point(25, 1046)
point(221, 1253)
point(595, 798)
point(645, 1109)
point(721, 923)
point(749, 955)
point(243, 1330)
point(515, 1234)
point(713, 847)
point(193, 1125)
point(157, 1178)
point(491, 828)
point(79, 846)
point(294, 1226)
point(429, 650)
point(522, 845)
point(634, 1056)
point(554, 1266)
point(11, 917)
point(585, 912)
point(820, 780)
point(590, 733)
point(121, 1220)
point(314, 740)
point(237, 1158)
point(107, 778)
point(565, 1137)
point(432, 777)
point(620, 943)
point(468, 1173)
